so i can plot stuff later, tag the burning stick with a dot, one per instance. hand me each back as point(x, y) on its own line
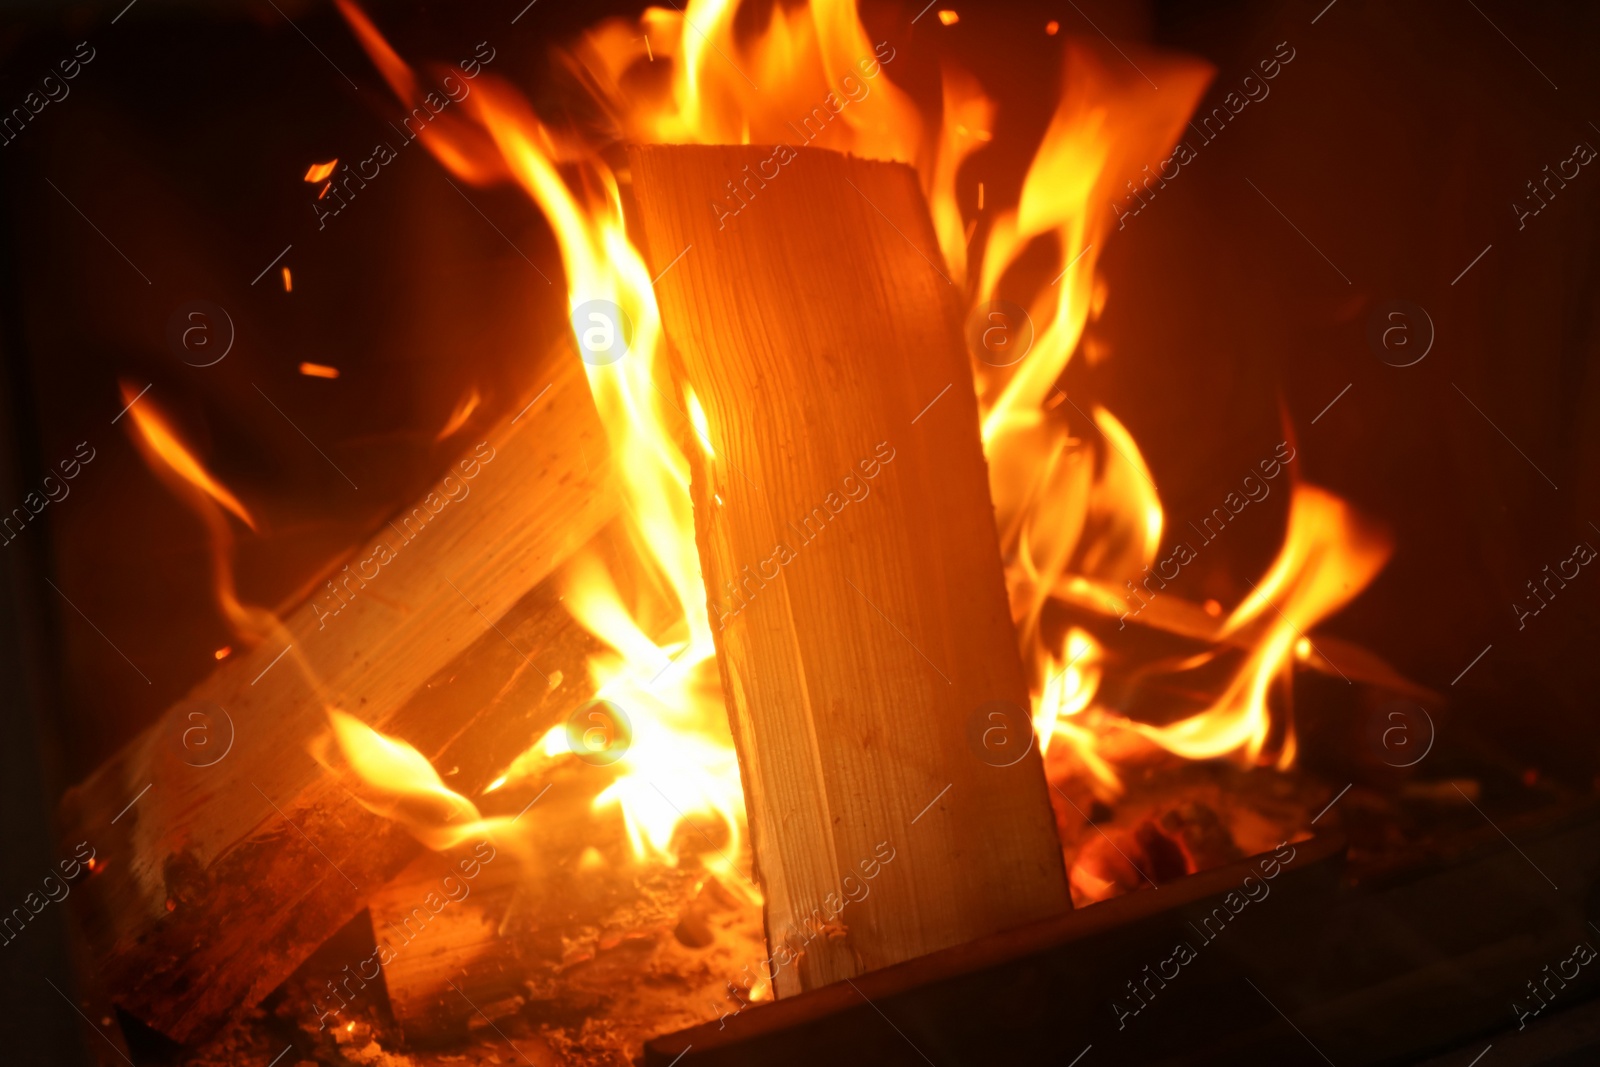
point(228, 871)
point(848, 543)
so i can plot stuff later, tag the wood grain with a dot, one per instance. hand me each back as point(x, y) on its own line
point(215, 881)
point(848, 544)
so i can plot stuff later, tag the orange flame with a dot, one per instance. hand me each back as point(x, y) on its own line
point(458, 418)
point(176, 465)
point(1067, 508)
point(1077, 511)
point(172, 455)
point(1079, 517)
point(968, 116)
point(1329, 555)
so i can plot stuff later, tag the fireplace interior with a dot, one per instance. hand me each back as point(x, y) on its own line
point(497, 566)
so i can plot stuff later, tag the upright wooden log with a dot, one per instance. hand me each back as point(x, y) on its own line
point(220, 869)
point(849, 548)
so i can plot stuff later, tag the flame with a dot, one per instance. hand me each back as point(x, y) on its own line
point(1329, 555)
point(174, 463)
point(697, 419)
point(1079, 512)
point(458, 418)
point(396, 781)
point(810, 73)
point(1107, 126)
point(1071, 507)
point(172, 455)
point(318, 172)
point(968, 117)
point(1075, 501)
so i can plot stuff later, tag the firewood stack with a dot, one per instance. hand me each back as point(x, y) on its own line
point(853, 574)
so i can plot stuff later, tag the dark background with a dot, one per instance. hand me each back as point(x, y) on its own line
point(1396, 142)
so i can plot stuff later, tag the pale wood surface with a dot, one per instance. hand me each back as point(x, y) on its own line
point(817, 327)
point(217, 881)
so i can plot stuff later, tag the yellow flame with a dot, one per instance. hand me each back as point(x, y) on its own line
point(1075, 502)
point(697, 417)
point(1329, 555)
point(1072, 506)
point(396, 781)
point(968, 119)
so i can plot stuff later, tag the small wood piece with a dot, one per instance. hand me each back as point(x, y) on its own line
point(216, 874)
point(583, 924)
point(853, 570)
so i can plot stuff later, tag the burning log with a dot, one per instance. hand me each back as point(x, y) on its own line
point(222, 868)
point(847, 539)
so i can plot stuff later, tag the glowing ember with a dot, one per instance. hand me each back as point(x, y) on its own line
point(318, 172)
point(318, 370)
point(948, 17)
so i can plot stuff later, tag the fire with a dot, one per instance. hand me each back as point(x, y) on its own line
point(661, 669)
point(178, 467)
point(1071, 506)
point(173, 456)
point(968, 116)
point(697, 418)
point(1078, 511)
point(392, 778)
point(1076, 504)
point(1329, 555)
point(458, 418)
point(724, 88)
point(396, 781)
